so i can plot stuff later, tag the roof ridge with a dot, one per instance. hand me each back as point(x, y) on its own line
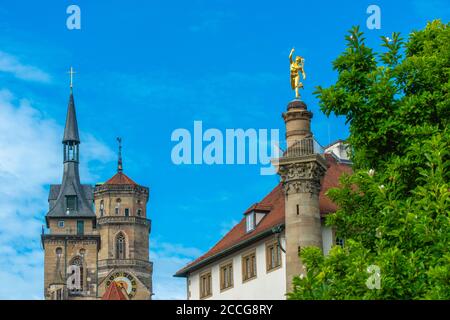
point(120, 178)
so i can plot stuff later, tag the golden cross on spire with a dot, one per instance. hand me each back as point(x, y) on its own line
point(71, 72)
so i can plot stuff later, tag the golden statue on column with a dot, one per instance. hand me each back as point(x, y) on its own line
point(297, 67)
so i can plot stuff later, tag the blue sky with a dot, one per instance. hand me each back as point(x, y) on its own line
point(145, 69)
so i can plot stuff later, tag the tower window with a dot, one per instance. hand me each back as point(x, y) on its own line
point(120, 246)
point(127, 212)
point(117, 209)
point(71, 203)
point(139, 212)
point(61, 224)
point(71, 152)
point(80, 227)
point(59, 294)
point(58, 252)
point(77, 261)
point(102, 208)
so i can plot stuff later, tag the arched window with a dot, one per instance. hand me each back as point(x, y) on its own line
point(117, 209)
point(120, 246)
point(78, 261)
point(58, 252)
point(102, 208)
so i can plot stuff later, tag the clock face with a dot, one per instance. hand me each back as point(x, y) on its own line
point(124, 280)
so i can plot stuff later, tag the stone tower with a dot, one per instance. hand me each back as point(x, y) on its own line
point(301, 169)
point(120, 206)
point(72, 243)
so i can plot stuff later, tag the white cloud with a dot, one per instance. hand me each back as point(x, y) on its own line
point(168, 258)
point(30, 160)
point(10, 64)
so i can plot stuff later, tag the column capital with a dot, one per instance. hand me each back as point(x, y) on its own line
point(303, 175)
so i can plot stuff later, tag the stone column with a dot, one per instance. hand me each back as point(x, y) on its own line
point(301, 169)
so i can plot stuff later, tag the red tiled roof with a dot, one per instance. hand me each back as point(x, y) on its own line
point(121, 178)
point(114, 292)
point(259, 207)
point(274, 201)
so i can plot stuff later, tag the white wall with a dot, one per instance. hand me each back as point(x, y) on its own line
point(340, 150)
point(327, 239)
point(266, 285)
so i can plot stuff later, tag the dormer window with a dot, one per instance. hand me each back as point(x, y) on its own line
point(250, 221)
point(71, 203)
point(254, 215)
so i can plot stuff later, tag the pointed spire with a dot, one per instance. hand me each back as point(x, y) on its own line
point(71, 129)
point(119, 162)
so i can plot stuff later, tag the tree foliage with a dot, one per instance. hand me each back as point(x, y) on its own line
point(394, 209)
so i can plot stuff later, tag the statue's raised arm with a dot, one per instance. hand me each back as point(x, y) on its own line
point(290, 55)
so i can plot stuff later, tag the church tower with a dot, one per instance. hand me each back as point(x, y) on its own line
point(72, 242)
point(120, 205)
point(301, 169)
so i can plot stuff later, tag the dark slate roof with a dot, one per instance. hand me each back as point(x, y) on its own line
point(71, 129)
point(87, 189)
point(71, 186)
point(54, 191)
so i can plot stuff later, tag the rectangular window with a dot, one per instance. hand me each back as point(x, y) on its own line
point(117, 210)
point(205, 285)
point(226, 276)
point(127, 212)
point(61, 224)
point(59, 294)
point(80, 227)
point(71, 203)
point(273, 255)
point(249, 266)
point(250, 221)
point(340, 242)
point(139, 212)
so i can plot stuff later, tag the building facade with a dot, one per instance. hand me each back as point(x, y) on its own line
point(258, 257)
point(97, 240)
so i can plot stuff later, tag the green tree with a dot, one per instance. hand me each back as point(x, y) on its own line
point(394, 209)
